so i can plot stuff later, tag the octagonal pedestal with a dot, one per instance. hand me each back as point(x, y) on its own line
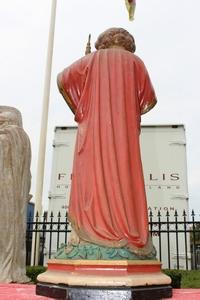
point(105, 280)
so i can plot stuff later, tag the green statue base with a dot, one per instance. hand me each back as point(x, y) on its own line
point(90, 251)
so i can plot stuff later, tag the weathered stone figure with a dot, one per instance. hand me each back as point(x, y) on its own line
point(15, 179)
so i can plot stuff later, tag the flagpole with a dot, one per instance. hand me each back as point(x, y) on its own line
point(43, 132)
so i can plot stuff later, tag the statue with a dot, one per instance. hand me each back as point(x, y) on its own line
point(108, 91)
point(15, 180)
point(110, 254)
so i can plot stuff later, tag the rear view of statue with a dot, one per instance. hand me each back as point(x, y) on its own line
point(110, 254)
point(108, 90)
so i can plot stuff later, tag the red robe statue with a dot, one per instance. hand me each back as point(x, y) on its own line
point(108, 90)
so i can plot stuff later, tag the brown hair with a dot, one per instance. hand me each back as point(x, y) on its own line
point(116, 37)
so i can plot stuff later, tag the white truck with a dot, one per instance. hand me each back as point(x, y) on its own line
point(163, 150)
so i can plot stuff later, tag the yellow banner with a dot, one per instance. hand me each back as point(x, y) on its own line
point(130, 5)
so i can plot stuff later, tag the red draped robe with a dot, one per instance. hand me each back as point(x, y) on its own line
point(108, 90)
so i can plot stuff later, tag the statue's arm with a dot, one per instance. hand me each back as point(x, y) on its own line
point(146, 92)
point(71, 82)
point(64, 93)
point(27, 169)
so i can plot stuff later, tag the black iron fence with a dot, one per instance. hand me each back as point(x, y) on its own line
point(176, 236)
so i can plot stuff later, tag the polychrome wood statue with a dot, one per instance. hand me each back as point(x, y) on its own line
point(108, 90)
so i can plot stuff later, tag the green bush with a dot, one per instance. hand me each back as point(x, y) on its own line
point(33, 271)
point(190, 279)
point(176, 276)
point(184, 278)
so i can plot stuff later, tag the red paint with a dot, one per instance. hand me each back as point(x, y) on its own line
point(14, 291)
point(106, 269)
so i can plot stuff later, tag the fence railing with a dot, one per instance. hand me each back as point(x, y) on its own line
point(176, 236)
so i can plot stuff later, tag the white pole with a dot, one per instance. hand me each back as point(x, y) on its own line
point(43, 131)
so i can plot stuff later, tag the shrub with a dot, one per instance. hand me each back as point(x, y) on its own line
point(190, 279)
point(33, 271)
point(176, 276)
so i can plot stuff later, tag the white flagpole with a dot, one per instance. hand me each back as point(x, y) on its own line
point(43, 132)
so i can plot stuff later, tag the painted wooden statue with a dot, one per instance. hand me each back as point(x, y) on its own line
point(108, 90)
point(15, 179)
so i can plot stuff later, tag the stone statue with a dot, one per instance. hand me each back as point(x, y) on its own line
point(15, 180)
point(108, 91)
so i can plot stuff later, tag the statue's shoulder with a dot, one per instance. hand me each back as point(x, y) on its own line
point(81, 62)
point(138, 59)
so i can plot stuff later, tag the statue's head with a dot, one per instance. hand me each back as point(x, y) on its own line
point(116, 37)
point(10, 116)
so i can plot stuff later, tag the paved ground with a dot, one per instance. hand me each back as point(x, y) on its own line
point(186, 294)
point(19, 292)
point(27, 292)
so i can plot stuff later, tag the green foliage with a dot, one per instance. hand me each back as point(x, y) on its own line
point(190, 279)
point(184, 278)
point(33, 271)
point(176, 276)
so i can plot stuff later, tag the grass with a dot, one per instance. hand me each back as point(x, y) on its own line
point(190, 279)
point(184, 278)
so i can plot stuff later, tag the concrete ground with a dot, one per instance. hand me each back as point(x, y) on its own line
point(27, 292)
point(19, 292)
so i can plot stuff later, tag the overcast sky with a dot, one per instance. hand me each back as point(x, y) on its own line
point(167, 39)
